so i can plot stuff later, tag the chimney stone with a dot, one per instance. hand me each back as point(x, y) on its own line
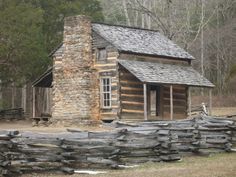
point(73, 79)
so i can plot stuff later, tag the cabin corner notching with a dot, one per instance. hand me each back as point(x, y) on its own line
point(106, 71)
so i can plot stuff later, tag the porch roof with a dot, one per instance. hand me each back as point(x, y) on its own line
point(45, 80)
point(165, 73)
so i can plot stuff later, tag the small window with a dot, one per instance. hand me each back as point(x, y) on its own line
point(106, 92)
point(101, 54)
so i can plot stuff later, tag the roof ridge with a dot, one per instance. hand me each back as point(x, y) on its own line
point(125, 26)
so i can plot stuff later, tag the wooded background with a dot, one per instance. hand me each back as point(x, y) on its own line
point(31, 29)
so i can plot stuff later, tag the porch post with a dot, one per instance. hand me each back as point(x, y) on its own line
point(33, 102)
point(189, 101)
point(171, 102)
point(145, 100)
point(210, 102)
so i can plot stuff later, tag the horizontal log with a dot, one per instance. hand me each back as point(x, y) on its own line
point(140, 160)
point(132, 107)
point(175, 96)
point(105, 64)
point(134, 92)
point(131, 89)
point(128, 77)
point(174, 87)
point(136, 98)
point(129, 82)
point(132, 111)
point(132, 103)
point(140, 86)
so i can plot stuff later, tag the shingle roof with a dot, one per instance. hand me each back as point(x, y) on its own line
point(136, 40)
point(140, 41)
point(165, 73)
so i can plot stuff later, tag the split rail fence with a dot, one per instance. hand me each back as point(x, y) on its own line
point(26, 152)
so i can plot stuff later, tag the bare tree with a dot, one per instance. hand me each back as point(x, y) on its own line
point(203, 28)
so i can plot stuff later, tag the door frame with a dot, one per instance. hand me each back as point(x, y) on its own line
point(159, 101)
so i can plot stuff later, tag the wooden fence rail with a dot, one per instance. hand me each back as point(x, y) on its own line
point(25, 152)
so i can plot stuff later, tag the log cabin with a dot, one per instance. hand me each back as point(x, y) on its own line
point(106, 72)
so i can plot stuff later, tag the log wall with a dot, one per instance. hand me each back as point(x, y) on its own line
point(135, 110)
point(106, 68)
point(131, 96)
point(132, 103)
point(179, 102)
point(27, 152)
point(43, 101)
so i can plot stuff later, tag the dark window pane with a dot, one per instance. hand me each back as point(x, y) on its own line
point(105, 102)
point(105, 96)
point(102, 54)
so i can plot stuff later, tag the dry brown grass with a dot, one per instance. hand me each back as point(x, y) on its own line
point(223, 111)
point(217, 101)
point(217, 165)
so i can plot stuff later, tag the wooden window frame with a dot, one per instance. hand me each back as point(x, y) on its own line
point(98, 54)
point(103, 92)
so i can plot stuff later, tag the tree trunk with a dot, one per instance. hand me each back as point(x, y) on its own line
point(126, 12)
point(218, 69)
point(202, 40)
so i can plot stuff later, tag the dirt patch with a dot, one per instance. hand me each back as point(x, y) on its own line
point(26, 125)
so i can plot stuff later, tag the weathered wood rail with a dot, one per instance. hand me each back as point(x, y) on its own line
point(24, 152)
point(12, 114)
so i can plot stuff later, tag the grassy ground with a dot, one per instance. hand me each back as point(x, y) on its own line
point(217, 165)
point(222, 111)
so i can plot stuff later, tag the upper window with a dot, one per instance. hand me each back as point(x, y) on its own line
point(106, 92)
point(101, 54)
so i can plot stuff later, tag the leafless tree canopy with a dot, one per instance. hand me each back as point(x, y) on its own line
point(205, 28)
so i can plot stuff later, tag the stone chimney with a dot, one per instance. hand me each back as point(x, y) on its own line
point(74, 91)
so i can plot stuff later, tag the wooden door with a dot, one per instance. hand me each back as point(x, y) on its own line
point(154, 101)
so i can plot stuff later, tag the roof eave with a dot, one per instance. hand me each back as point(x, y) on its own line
point(188, 85)
point(207, 83)
point(41, 77)
point(54, 50)
point(155, 55)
